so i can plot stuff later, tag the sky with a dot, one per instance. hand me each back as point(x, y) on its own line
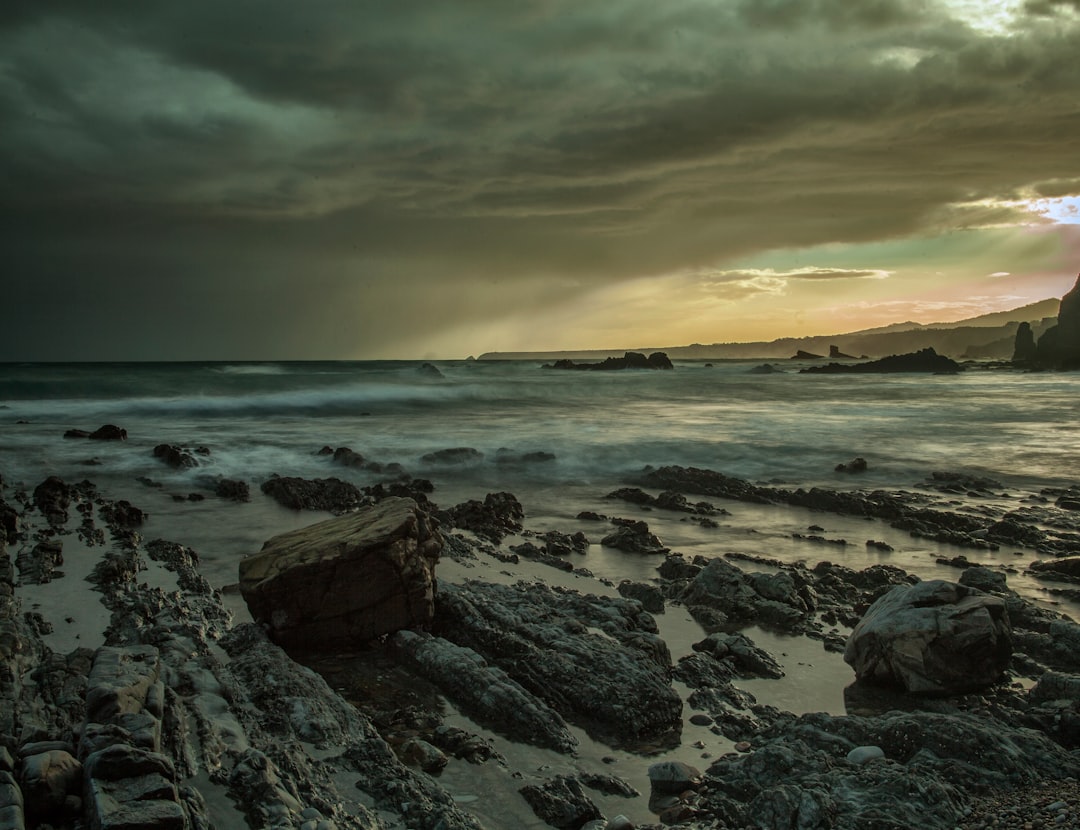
point(440, 178)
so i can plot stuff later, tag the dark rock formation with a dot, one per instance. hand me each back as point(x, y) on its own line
point(496, 516)
point(507, 456)
point(668, 500)
point(346, 580)
point(740, 653)
point(801, 355)
point(53, 497)
point(1024, 349)
point(484, 692)
point(429, 370)
point(614, 684)
point(798, 774)
point(934, 637)
point(764, 369)
point(650, 596)
point(106, 432)
point(561, 803)
point(950, 482)
point(175, 456)
point(109, 432)
point(454, 455)
point(1063, 570)
point(926, 360)
point(907, 511)
point(330, 494)
point(232, 489)
point(634, 538)
point(856, 465)
point(836, 354)
point(630, 360)
point(1059, 347)
point(731, 594)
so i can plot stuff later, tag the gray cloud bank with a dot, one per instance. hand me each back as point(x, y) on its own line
point(333, 179)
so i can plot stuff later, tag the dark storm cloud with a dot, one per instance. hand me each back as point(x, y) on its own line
point(338, 150)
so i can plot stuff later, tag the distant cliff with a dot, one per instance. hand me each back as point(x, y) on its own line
point(989, 337)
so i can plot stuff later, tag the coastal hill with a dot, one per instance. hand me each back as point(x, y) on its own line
point(987, 337)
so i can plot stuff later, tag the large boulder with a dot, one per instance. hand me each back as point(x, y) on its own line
point(934, 637)
point(345, 580)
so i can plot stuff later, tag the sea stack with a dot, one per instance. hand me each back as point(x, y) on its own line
point(1024, 349)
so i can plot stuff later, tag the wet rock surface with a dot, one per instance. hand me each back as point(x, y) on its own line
point(935, 637)
point(614, 682)
point(798, 773)
point(181, 718)
point(916, 513)
point(330, 494)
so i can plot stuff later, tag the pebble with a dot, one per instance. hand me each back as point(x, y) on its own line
point(1049, 804)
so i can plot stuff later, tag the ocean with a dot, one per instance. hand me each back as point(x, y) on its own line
point(596, 431)
point(602, 428)
point(261, 418)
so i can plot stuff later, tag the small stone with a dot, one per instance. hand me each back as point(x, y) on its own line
point(672, 776)
point(862, 754)
point(742, 746)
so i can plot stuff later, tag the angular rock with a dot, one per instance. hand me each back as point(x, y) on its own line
point(482, 691)
point(673, 776)
point(120, 681)
point(346, 580)
point(615, 683)
point(108, 432)
point(772, 598)
point(498, 515)
point(739, 651)
point(934, 637)
point(330, 494)
point(52, 497)
point(47, 779)
point(635, 538)
point(561, 802)
point(650, 597)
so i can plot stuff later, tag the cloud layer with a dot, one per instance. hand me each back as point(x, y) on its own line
point(336, 180)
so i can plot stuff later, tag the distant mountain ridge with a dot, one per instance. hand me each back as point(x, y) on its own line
point(987, 337)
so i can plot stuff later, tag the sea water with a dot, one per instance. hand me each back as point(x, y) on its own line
point(602, 429)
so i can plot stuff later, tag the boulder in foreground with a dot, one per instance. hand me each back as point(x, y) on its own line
point(345, 580)
point(934, 637)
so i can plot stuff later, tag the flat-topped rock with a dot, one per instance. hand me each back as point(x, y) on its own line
point(345, 580)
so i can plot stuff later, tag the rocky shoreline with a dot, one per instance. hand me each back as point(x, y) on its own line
point(175, 715)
